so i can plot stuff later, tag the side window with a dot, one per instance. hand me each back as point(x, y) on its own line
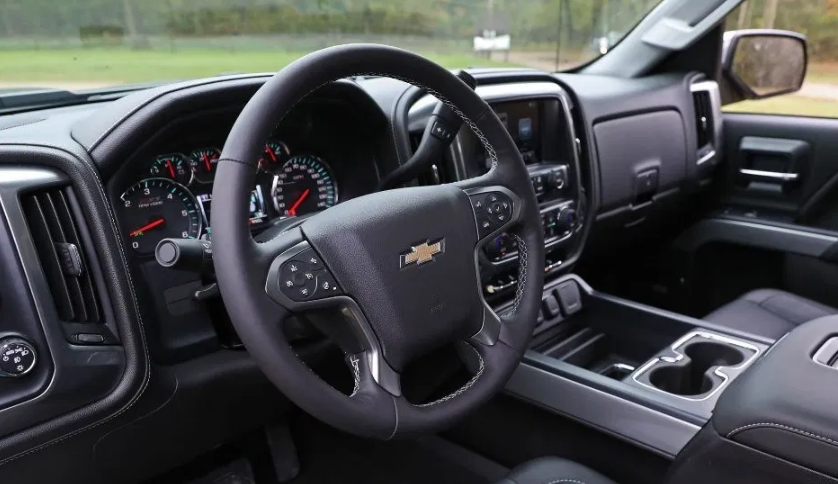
point(818, 21)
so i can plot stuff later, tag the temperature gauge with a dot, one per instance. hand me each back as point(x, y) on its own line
point(174, 166)
point(204, 162)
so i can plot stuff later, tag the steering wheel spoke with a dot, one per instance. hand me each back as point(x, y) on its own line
point(490, 329)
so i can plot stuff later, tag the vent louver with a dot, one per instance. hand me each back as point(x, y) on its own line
point(55, 233)
point(703, 118)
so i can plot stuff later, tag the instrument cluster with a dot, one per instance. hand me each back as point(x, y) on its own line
point(174, 198)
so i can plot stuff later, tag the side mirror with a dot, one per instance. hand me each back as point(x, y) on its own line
point(764, 63)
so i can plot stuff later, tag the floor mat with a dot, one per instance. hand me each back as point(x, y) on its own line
point(332, 457)
point(236, 472)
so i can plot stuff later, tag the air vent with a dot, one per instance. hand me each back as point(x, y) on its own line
point(707, 108)
point(55, 233)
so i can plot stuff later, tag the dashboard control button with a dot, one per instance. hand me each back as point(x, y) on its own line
point(550, 306)
point(89, 338)
point(17, 357)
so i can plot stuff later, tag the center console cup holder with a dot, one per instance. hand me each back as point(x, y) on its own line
point(696, 366)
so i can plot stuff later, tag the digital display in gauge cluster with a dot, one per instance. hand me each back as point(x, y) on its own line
point(175, 200)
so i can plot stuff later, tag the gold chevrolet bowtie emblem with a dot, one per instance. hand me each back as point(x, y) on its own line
point(422, 253)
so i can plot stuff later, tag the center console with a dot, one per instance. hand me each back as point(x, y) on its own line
point(779, 421)
point(639, 373)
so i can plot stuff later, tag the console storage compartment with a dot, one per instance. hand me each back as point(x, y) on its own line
point(609, 336)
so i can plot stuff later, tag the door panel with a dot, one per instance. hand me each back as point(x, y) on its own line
point(777, 218)
point(802, 153)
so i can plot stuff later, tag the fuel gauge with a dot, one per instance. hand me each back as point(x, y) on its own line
point(275, 154)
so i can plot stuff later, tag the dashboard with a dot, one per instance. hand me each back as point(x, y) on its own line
point(144, 350)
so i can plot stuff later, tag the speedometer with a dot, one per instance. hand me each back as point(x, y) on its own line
point(158, 208)
point(303, 185)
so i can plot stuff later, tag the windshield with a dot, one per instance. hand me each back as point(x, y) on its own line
point(90, 44)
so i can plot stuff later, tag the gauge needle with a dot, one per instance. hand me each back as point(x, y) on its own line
point(171, 168)
point(270, 153)
point(293, 210)
point(206, 161)
point(148, 226)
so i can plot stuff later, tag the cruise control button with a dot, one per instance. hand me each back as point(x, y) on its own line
point(326, 286)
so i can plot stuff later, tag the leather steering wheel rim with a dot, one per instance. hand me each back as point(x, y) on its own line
point(393, 307)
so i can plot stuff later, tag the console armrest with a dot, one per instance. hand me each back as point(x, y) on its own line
point(786, 404)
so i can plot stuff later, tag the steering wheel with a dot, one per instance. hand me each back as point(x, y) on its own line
point(399, 267)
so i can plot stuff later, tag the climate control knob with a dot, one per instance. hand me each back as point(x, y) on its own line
point(17, 357)
point(566, 220)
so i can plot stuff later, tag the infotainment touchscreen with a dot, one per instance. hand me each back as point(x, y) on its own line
point(522, 120)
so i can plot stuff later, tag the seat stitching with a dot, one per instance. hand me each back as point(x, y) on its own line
point(558, 481)
point(782, 427)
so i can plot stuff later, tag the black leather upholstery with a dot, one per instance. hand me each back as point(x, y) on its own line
point(768, 312)
point(553, 470)
point(784, 404)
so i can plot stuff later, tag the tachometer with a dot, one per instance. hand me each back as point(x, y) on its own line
point(173, 166)
point(157, 208)
point(304, 184)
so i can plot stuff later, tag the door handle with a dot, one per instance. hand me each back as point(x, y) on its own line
point(768, 176)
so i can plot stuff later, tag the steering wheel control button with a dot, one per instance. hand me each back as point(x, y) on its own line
point(493, 210)
point(326, 286)
point(17, 357)
point(304, 277)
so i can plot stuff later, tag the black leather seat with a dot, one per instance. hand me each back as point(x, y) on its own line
point(769, 312)
point(553, 470)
